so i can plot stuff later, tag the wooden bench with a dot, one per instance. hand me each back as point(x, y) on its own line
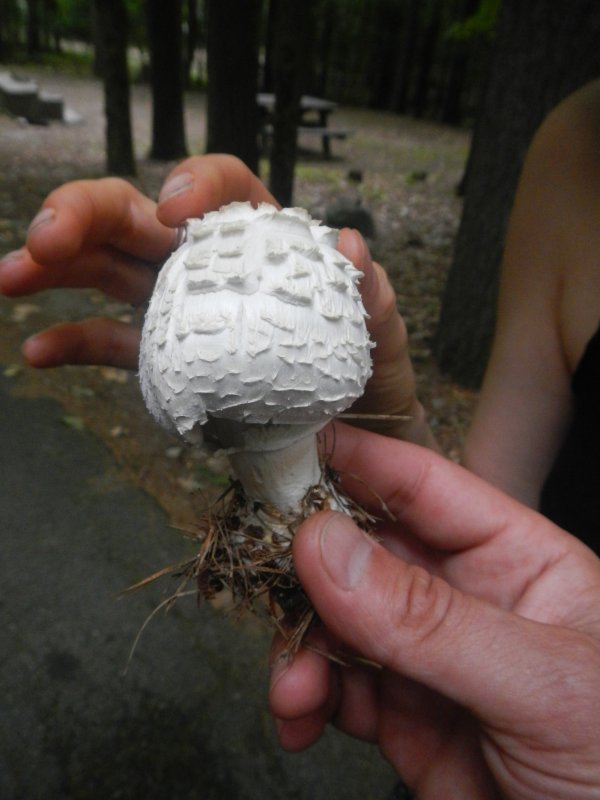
point(22, 97)
point(326, 135)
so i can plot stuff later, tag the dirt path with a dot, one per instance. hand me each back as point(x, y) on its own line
point(410, 171)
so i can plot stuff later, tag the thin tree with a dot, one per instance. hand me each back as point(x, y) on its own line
point(34, 39)
point(232, 39)
point(543, 52)
point(165, 36)
point(291, 44)
point(191, 40)
point(111, 43)
point(405, 53)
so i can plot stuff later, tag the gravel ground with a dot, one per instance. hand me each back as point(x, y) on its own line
point(409, 173)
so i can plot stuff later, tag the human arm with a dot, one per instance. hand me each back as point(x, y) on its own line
point(483, 617)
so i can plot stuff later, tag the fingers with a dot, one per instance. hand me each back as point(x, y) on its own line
point(391, 390)
point(83, 214)
point(104, 268)
point(309, 690)
point(205, 183)
point(377, 293)
point(96, 341)
point(418, 625)
point(302, 697)
point(437, 501)
point(385, 323)
point(101, 234)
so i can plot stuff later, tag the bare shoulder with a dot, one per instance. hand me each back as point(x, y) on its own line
point(576, 124)
point(549, 305)
point(552, 257)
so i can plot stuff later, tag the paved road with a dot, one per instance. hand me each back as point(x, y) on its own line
point(189, 719)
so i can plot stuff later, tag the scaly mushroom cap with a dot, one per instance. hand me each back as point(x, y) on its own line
point(256, 318)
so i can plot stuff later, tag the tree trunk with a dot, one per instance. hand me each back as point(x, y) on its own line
point(426, 61)
point(34, 41)
point(405, 60)
point(543, 52)
point(111, 33)
point(324, 47)
point(166, 79)
point(456, 70)
point(191, 40)
point(232, 66)
point(291, 44)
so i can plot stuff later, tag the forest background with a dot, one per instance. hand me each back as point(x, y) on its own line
point(493, 67)
point(442, 97)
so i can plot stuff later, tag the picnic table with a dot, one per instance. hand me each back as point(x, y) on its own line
point(314, 119)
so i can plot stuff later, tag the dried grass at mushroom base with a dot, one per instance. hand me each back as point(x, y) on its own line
point(244, 549)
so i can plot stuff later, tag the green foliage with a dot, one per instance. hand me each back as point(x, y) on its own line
point(136, 17)
point(481, 23)
point(70, 62)
point(70, 19)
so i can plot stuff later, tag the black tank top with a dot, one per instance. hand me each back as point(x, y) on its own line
point(571, 494)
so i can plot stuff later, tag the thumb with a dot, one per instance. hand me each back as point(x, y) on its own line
point(412, 622)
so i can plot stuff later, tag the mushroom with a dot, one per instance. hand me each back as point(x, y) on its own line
point(254, 339)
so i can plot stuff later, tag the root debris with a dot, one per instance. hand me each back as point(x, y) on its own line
point(245, 549)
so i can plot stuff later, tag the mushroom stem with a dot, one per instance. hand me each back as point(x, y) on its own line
point(280, 477)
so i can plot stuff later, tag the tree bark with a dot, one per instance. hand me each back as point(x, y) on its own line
point(543, 52)
point(292, 24)
point(405, 58)
point(166, 79)
point(232, 66)
point(426, 62)
point(456, 71)
point(34, 39)
point(111, 33)
point(191, 40)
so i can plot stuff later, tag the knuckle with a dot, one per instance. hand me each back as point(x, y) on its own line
point(408, 494)
point(423, 605)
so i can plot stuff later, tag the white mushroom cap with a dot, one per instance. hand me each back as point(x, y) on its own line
point(256, 318)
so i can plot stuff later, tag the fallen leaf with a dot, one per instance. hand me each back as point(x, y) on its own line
point(118, 431)
point(22, 312)
point(173, 452)
point(74, 422)
point(12, 370)
point(113, 374)
point(189, 484)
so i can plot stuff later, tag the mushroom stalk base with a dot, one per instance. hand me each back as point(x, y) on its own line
point(245, 547)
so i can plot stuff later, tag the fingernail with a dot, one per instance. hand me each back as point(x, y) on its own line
point(45, 216)
point(178, 184)
point(179, 237)
point(345, 551)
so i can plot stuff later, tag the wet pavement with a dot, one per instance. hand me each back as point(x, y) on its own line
point(189, 719)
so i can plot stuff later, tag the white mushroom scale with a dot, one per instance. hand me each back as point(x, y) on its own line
point(254, 339)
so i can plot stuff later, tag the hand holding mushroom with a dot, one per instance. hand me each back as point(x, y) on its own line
point(483, 616)
point(107, 235)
